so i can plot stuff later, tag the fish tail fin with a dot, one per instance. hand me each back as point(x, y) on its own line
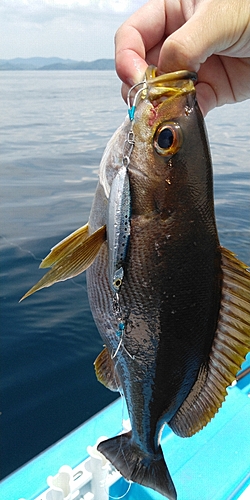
point(137, 466)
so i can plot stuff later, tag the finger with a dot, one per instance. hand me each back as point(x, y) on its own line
point(134, 39)
point(204, 34)
point(130, 66)
point(124, 91)
point(206, 97)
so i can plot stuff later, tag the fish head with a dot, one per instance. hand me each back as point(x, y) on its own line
point(170, 154)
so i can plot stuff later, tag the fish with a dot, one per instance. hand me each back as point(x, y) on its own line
point(171, 304)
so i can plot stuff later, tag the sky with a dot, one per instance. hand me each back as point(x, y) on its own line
point(76, 29)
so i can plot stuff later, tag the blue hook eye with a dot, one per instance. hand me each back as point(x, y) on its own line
point(131, 113)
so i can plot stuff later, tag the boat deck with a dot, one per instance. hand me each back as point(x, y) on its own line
point(212, 465)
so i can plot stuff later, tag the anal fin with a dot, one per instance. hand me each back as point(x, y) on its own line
point(230, 346)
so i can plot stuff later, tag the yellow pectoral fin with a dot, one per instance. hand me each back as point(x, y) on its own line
point(72, 262)
point(65, 246)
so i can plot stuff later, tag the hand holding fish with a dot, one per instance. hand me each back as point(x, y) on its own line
point(211, 37)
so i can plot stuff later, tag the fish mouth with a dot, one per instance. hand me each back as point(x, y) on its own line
point(158, 79)
point(170, 85)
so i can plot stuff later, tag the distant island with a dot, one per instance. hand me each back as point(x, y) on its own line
point(53, 64)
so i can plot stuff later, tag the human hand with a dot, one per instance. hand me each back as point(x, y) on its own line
point(211, 37)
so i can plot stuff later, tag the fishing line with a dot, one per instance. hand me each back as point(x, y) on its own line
point(15, 245)
point(79, 284)
point(105, 485)
point(124, 494)
point(39, 259)
point(104, 482)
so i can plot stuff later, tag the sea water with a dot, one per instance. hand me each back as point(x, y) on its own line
point(54, 127)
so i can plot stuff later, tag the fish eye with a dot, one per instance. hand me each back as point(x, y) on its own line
point(167, 139)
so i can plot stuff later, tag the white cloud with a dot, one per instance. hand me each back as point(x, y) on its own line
point(43, 10)
point(77, 29)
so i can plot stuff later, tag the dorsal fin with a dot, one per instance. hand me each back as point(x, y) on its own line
point(230, 346)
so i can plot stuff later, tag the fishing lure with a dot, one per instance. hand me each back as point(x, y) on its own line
point(119, 210)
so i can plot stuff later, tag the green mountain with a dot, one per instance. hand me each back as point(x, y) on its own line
point(53, 64)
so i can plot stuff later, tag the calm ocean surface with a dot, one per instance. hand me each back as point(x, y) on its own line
point(54, 127)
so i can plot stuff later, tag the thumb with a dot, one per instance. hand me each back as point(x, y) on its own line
point(216, 27)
